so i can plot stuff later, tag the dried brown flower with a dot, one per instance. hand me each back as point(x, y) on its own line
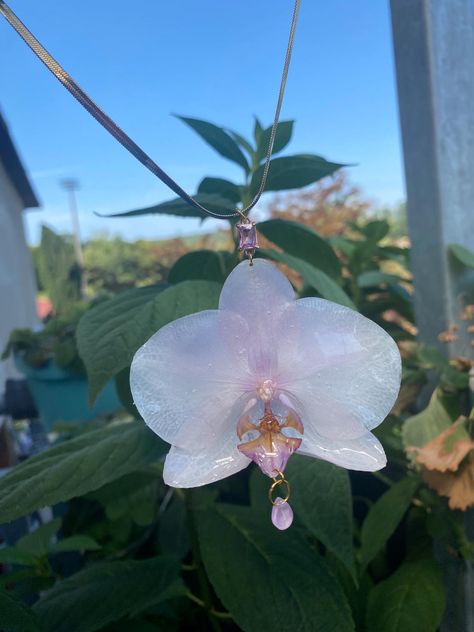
point(449, 335)
point(467, 313)
point(448, 465)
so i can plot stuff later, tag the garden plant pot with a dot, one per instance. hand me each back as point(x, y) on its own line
point(61, 395)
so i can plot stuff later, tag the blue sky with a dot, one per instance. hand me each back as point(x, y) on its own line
point(213, 59)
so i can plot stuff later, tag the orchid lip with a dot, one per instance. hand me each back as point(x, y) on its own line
point(271, 449)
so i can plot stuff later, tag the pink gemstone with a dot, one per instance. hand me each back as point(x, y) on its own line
point(282, 514)
point(248, 236)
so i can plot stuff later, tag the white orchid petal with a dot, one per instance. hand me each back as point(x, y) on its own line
point(187, 377)
point(259, 294)
point(364, 453)
point(341, 368)
point(193, 469)
point(195, 378)
point(256, 291)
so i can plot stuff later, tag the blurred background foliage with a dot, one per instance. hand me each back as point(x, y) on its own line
point(368, 552)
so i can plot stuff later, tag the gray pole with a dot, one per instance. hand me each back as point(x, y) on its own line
point(434, 53)
point(71, 186)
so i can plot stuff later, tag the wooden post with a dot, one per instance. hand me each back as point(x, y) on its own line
point(434, 54)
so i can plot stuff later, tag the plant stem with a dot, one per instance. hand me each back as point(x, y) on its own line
point(383, 478)
point(200, 602)
point(356, 294)
point(221, 615)
point(195, 599)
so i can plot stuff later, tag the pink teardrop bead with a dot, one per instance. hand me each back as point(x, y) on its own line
point(282, 514)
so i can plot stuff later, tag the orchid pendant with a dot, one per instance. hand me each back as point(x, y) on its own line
point(262, 377)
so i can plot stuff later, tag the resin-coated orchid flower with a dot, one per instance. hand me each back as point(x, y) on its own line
point(264, 376)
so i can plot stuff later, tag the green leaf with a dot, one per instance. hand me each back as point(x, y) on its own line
point(106, 592)
point(205, 265)
point(19, 340)
point(410, 600)
point(402, 255)
point(362, 256)
point(401, 300)
point(124, 392)
point(75, 543)
point(373, 278)
point(375, 231)
point(462, 254)
point(322, 500)
point(218, 139)
point(133, 495)
point(38, 542)
point(243, 142)
point(269, 580)
point(65, 352)
point(453, 377)
point(384, 516)
point(141, 625)
point(258, 491)
point(345, 246)
point(76, 467)
point(112, 319)
point(317, 279)
point(293, 172)
point(109, 335)
point(58, 271)
point(257, 130)
point(173, 533)
point(180, 208)
point(302, 242)
point(282, 138)
point(16, 616)
point(357, 594)
point(430, 357)
point(221, 187)
point(11, 555)
point(430, 422)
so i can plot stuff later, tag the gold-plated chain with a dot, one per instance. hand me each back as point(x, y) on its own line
point(123, 138)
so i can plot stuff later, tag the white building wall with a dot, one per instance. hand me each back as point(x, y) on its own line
point(17, 280)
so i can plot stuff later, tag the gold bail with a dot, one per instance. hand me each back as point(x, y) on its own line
point(277, 481)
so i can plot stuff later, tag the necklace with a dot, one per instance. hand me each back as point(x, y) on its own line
point(273, 371)
point(125, 140)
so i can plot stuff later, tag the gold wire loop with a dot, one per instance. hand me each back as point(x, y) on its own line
point(244, 217)
point(276, 483)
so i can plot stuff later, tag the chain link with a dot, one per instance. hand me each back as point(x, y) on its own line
point(123, 138)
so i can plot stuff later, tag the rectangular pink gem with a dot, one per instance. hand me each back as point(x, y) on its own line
point(248, 236)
